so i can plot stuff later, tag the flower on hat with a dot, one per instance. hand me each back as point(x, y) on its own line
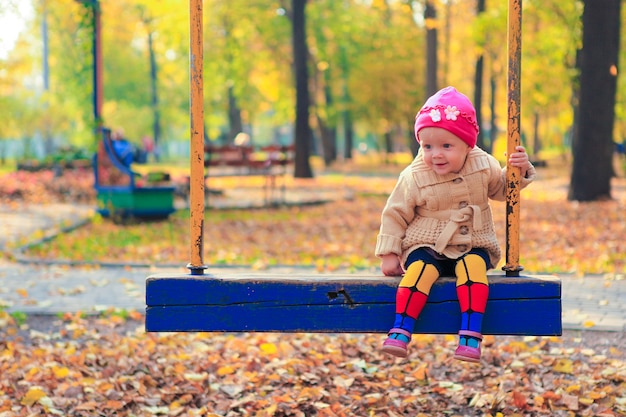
point(435, 115)
point(449, 110)
point(451, 113)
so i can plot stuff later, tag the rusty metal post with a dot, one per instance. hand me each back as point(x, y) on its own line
point(196, 181)
point(513, 179)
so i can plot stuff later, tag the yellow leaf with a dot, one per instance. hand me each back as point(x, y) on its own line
point(33, 395)
point(60, 371)
point(565, 366)
point(226, 370)
point(597, 395)
point(572, 388)
point(588, 323)
point(271, 410)
point(22, 292)
point(518, 346)
point(88, 381)
point(268, 348)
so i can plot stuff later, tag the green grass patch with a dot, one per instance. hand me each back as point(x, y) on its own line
point(328, 236)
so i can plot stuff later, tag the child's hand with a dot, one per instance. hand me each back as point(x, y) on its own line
point(520, 159)
point(390, 265)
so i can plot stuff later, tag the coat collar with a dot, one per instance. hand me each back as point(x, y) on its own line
point(424, 176)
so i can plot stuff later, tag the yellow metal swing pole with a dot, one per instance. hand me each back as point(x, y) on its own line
point(196, 178)
point(513, 174)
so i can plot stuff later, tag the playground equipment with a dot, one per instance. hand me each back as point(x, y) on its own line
point(521, 305)
point(123, 193)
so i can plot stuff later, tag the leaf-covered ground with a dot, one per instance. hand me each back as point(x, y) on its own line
point(108, 366)
point(111, 367)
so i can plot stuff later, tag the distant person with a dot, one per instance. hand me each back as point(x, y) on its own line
point(437, 220)
point(620, 148)
point(618, 159)
point(143, 154)
point(123, 149)
point(242, 140)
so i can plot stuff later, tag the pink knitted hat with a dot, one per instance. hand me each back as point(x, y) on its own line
point(452, 111)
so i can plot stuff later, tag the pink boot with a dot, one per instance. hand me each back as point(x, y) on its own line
point(396, 347)
point(468, 353)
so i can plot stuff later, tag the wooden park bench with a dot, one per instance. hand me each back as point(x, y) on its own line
point(252, 301)
point(270, 162)
point(123, 193)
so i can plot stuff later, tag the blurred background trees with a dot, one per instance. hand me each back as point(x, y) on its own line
point(370, 64)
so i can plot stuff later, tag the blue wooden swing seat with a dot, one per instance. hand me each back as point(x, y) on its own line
point(340, 304)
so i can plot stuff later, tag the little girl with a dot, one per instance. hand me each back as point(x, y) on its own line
point(437, 220)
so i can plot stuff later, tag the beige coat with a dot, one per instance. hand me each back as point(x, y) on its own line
point(448, 213)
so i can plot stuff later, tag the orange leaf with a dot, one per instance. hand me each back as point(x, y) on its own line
point(87, 406)
point(551, 395)
point(519, 400)
point(114, 405)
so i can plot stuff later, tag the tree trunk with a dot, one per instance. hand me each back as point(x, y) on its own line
point(302, 167)
point(346, 116)
point(47, 134)
point(327, 125)
point(388, 145)
point(493, 131)
point(348, 133)
point(328, 136)
point(234, 115)
point(592, 146)
point(154, 102)
point(536, 139)
point(446, 34)
point(430, 16)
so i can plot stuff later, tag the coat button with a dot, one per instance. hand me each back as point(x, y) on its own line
point(463, 204)
point(457, 180)
point(464, 230)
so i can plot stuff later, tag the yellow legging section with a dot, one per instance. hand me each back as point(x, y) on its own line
point(472, 268)
point(421, 276)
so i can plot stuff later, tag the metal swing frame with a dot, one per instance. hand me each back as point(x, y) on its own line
point(253, 302)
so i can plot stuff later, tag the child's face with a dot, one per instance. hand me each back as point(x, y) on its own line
point(443, 151)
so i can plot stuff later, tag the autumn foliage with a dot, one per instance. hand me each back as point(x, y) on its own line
point(108, 366)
